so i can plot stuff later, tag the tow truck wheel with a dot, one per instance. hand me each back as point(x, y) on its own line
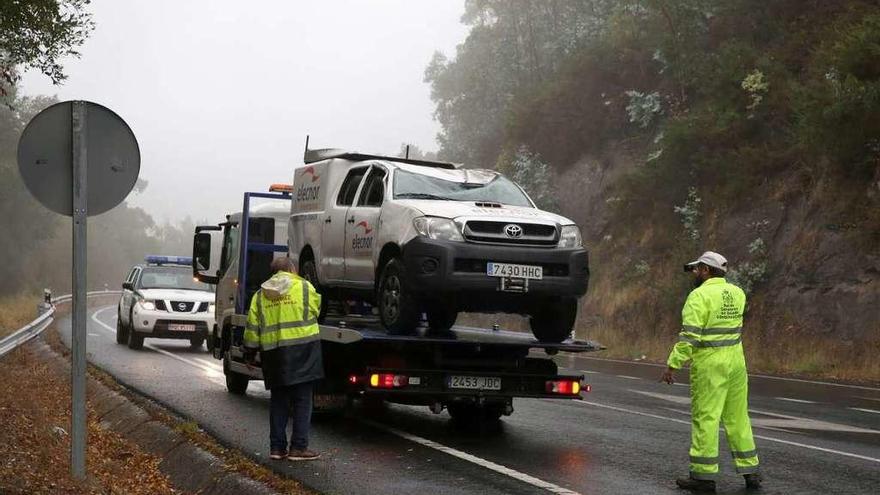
point(121, 331)
point(554, 320)
point(310, 273)
point(397, 308)
point(236, 383)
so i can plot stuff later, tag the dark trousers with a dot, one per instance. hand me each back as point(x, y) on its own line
point(290, 401)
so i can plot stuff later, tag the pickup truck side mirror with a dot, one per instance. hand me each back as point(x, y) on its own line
point(201, 257)
point(127, 286)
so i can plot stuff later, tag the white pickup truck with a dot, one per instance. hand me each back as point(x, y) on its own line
point(416, 237)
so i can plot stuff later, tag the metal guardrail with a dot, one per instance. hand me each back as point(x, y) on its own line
point(39, 324)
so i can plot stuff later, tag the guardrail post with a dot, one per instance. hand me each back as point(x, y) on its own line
point(46, 304)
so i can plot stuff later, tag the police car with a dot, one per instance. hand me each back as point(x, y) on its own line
point(160, 299)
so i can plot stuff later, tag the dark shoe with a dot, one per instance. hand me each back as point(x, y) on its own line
point(753, 481)
point(277, 455)
point(302, 455)
point(696, 485)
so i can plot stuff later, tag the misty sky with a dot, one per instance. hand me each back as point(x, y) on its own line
point(221, 94)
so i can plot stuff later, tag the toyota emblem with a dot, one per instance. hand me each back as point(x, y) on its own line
point(181, 306)
point(513, 231)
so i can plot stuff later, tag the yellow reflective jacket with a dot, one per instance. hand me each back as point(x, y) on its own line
point(712, 317)
point(283, 312)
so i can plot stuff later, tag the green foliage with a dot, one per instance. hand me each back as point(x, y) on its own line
point(690, 214)
point(749, 274)
point(38, 34)
point(532, 174)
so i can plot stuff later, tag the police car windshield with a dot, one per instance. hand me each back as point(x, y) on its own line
point(409, 185)
point(170, 277)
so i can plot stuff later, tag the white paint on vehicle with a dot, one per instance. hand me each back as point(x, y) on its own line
point(498, 468)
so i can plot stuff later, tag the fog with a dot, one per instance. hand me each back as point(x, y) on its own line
point(221, 94)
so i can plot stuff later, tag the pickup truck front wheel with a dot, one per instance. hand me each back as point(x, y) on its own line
point(397, 307)
point(554, 320)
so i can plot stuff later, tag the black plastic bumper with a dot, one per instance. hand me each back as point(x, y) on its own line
point(445, 268)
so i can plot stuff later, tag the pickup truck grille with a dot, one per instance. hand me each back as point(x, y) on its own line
point(526, 234)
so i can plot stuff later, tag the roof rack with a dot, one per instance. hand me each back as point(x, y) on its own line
point(312, 156)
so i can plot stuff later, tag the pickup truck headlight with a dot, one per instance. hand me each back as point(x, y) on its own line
point(442, 229)
point(570, 237)
point(147, 305)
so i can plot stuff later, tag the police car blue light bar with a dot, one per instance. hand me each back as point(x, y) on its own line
point(169, 260)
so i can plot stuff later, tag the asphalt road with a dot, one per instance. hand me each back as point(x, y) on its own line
point(629, 435)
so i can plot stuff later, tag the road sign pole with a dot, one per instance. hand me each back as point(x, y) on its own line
point(78, 356)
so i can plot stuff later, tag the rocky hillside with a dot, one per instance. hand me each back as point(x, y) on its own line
point(672, 127)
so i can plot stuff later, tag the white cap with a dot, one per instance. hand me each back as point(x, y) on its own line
point(709, 258)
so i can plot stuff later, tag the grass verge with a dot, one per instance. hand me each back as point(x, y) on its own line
point(36, 440)
point(16, 311)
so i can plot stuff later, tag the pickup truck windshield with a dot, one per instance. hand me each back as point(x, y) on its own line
point(170, 277)
point(409, 185)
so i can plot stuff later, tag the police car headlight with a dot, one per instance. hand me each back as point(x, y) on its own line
point(442, 229)
point(148, 305)
point(211, 308)
point(570, 237)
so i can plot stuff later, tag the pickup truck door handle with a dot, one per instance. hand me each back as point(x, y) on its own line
point(328, 219)
point(351, 220)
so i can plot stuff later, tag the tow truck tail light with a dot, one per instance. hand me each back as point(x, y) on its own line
point(388, 380)
point(565, 387)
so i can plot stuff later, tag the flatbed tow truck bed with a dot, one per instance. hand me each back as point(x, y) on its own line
point(472, 372)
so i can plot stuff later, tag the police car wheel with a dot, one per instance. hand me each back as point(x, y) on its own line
point(397, 308)
point(121, 331)
point(196, 342)
point(135, 340)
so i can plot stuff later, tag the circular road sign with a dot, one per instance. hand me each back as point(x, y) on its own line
point(45, 158)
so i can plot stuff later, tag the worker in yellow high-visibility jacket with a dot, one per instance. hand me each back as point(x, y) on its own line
point(282, 325)
point(711, 338)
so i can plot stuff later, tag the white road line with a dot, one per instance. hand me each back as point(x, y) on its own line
point(762, 437)
point(211, 372)
point(94, 334)
point(864, 410)
point(682, 384)
point(498, 468)
point(799, 380)
point(589, 372)
point(799, 401)
point(628, 377)
point(209, 363)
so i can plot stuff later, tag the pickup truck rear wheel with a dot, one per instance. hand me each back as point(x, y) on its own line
point(554, 320)
point(310, 272)
point(397, 307)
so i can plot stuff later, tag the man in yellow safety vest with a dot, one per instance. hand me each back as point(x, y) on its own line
point(282, 325)
point(711, 338)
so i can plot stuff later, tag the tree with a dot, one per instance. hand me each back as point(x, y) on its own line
point(38, 34)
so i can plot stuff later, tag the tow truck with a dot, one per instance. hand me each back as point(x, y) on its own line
point(473, 373)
